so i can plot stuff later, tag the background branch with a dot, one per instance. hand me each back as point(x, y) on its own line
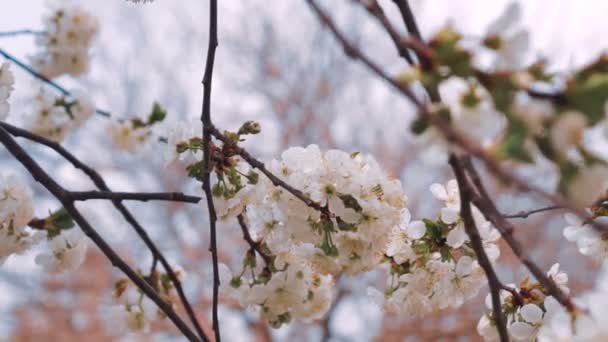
point(207, 125)
point(128, 216)
point(68, 203)
point(477, 245)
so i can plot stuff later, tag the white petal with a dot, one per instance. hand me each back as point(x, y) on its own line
point(464, 266)
point(416, 230)
point(439, 191)
point(571, 233)
point(521, 331)
point(450, 215)
point(405, 216)
point(531, 313)
point(456, 237)
point(572, 219)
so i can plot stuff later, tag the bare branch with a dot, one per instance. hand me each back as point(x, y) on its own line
point(101, 185)
point(255, 163)
point(20, 33)
point(477, 244)
point(134, 196)
point(253, 245)
point(45, 79)
point(486, 205)
point(525, 214)
point(68, 203)
point(207, 125)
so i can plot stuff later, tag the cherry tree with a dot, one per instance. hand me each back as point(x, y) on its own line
point(311, 217)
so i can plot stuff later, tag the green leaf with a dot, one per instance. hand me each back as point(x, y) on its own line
point(419, 125)
point(250, 127)
point(58, 221)
point(350, 202)
point(345, 226)
point(157, 114)
point(589, 96)
point(569, 171)
point(433, 229)
point(513, 143)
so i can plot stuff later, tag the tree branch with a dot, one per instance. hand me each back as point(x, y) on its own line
point(20, 33)
point(255, 163)
point(134, 196)
point(253, 245)
point(450, 134)
point(101, 185)
point(44, 79)
point(68, 203)
point(207, 125)
point(484, 203)
point(525, 214)
point(477, 245)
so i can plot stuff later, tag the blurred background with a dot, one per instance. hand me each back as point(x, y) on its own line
point(277, 65)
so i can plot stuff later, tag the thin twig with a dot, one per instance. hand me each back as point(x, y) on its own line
point(525, 214)
point(44, 79)
point(255, 163)
point(21, 33)
point(101, 185)
point(134, 196)
point(374, 8)
point(477, 244)
point(68, 203)
point(253, 245)
point(486, 205)
point(207, 124)
point(450, 134)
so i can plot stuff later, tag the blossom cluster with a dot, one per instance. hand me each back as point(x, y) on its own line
point(54, 117)
point(586, 325)
point(516, 110)
point(136, 311)
point(16, 210)
point(432, 265)
point(130, 135)
point(590, 242)
point(66, 247)
point(527, 308)
point(64, 45)
point(7, 81)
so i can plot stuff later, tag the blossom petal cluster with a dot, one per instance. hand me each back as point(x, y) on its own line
point(7, 80)
point(54, 117)
point(66, 251)
point(432, 265)
point(589, 241)
point(127, 136)
point(16, 210)
point(136, 311)
point(65, 43)
point(586, 325)
point(527, 312)
point(305, 248)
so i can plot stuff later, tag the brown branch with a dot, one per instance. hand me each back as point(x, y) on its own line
point(374, 8)
point(207, 125)
point(525, 214)
point(477, 245)
point(253, 245)
point(255, 163)
point(486, 205)
point(44, 79)
point(450, 134)
point(134, 196)
point(68, 203)
point(101, 185)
